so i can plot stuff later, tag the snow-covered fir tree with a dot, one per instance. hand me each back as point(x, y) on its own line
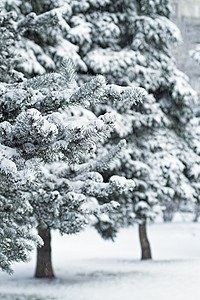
point(130, 43)
point(195, 54)
point(38, 126)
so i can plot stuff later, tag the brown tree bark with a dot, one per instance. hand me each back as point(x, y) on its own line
point(44, 265)
point(144, 242)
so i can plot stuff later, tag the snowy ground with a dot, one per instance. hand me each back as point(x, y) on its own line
point(89, 268)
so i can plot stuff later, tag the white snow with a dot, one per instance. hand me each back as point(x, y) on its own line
point(89, 268)
point(8, 166)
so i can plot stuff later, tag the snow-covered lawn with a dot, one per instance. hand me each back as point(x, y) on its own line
point(89, 268)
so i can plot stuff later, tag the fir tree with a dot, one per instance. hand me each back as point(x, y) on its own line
point(37, 127)
point(130, 43)
point(195, 54)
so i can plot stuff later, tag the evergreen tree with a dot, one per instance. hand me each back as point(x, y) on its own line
point(130, 43)
point(195, 54)
point(37, 127)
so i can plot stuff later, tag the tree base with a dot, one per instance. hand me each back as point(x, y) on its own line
point(44, 265)
point(145, 246)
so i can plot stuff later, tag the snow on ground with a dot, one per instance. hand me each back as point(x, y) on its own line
point(89, 268)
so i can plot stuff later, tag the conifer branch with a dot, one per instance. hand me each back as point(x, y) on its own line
point(90, 92)
point(50, 81)
point(68, 70)
point(127, 95)
point(103, 162)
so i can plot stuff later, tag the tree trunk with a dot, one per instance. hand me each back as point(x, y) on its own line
point(196, 212)
point(145, 246)
point(169, 212)
point(44, 266)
